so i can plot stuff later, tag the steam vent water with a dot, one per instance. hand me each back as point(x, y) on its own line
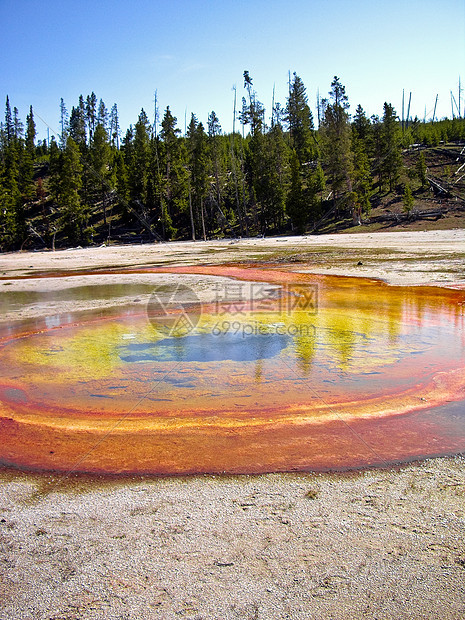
point(314, 373)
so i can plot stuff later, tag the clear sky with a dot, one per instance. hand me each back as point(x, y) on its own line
point(194, 51)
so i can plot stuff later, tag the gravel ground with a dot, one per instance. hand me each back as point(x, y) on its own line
point(377, 544)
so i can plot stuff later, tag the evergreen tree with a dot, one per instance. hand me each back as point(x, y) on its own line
point(77, 124)
point(91, 113)
point(254, 112)
point(18, 127)
point(362, 129)
point(55, 170)
point(408, 199)
point(9, 126)
point(318, 186)
point(198, 168)
point(175, 192)
point(102, 116)
point(300, 121)
point(214, 142)
point(12, 224)
point(100, 155)
point(391, 150)
point(295, 204)
point(301, 129)
point(121, 181)
point(11, 216)
point(361, 180)
point(336, 134)
point(73, 212)
point(27, 160)
point(114, 127)
point(256, 167)
point(275, 178)
point(140, 162)
point(30, 132)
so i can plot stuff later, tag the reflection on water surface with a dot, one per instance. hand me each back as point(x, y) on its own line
point(374, 375)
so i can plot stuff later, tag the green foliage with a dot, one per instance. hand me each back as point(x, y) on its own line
point(139, 162)
point(77, 124)
point(198, 175)
point(362, 128)
point(275, 179)
point(300, 121)
point(149, 185)
point(408, 199)
point(295, 204)
point(67, 182)
point(361, 180)
point(26, 168)
point(336, 139)
point(10, 216)
point(174, 178)
point(391, 150)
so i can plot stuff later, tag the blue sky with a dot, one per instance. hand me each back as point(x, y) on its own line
point(194, 52)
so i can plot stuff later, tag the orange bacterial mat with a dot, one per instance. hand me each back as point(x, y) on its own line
point(278, 371)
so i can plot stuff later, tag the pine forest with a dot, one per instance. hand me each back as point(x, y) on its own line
point(278, 172)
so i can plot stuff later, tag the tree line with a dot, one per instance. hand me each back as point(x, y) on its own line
point(92, 183)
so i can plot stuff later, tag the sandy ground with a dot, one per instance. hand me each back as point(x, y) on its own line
point(385, 544)
point(434, 257)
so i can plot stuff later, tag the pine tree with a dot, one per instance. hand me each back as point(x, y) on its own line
point(55, 170)
point(77, 124)
point(91, 113)
point(276, 167)
point(27, 159)
point(253, 113)
point(121, 180)
point(318, 186)
point(102, 116)
point(336, 134)
point(391, 150)
point(73, 213)
point(362, 127)
point(114, 127)
point(301, 130)
point(300, 121)
point(214, 143)
point(137, 151)
point(30, 132)
point(18, 127)
point(11, 216)
point(361, 181)
point(175, 192)
point(295, 203)
point(408, 199)
point(12, 224)
point(9, 126)
point(65, 185)
point(10, 233)
point(198, 169)
point(100, 154)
